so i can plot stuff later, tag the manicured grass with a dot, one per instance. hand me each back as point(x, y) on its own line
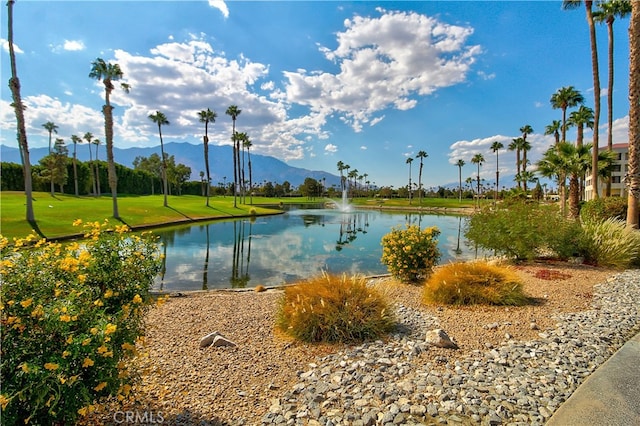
point(55, 215)
point(426, 202)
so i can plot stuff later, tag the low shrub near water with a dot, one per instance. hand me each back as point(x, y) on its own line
point(612, 244)
point(71, 316)
point(411, 253)
point(471, 283)
point(334, 308)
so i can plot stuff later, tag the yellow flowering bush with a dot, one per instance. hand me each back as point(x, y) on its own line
point(70, 315)
point(410, 253)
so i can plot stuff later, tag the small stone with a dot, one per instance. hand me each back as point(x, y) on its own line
point(440, 339)
point(208, 339)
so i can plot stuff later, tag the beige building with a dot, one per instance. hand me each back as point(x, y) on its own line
point(620, 170)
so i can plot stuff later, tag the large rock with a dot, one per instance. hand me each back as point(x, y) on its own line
point(215, 339)
point(208, 339)
point(440, 339)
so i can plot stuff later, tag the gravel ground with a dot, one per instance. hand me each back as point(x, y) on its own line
point(187, 384)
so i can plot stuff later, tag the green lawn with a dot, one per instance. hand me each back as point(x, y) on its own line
point(55, 215)
point(450, 203)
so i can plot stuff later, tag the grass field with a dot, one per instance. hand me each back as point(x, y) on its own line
point(55, 215)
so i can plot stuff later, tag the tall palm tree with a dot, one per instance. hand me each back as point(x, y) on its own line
point(18, 107)
point(340, 166)
point(495, 147)
point(421, 155)
point(51, 127)
point(572, 4)
point(566, 97)
point(248, 144)
point(633, 179)
point(525, 147)
point(108, 73)
point(241, 138)
point(234, 112)
point(75, 139)
point(581, 118)
point(347, 185)
point(516, 145)
point(554, 129)
point(409, 161)
point(608, 12)
point(161, 120)
point(526, 130)
point(478, 159)
point(88, 136)
point(207, 117)
point(353, 174)
point(460, 164)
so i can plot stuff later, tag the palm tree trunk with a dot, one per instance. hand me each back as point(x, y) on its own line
point(607, 192)
point(206, 165)
point(14, 85)
point(97, 164)
point(574, 196)
point(633, 178)
point(75, 170)
point(596, 100)
point(113, 179)
point(92, 171)
point(495, 199)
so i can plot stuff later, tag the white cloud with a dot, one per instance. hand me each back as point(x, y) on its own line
point(330, 148)
point(221, 6)
point(73, 45)
point(5, 46)
point(362, 147)
point(383, 62)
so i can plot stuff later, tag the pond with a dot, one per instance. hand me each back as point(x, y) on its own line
point(301, 243)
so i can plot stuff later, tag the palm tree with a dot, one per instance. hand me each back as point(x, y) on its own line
point(516, 145)
point(607, 12)
point(248, 144)
point(340, 166)
point(234, 112)
point(51, 127)
point(75, 139)
point(421, 155)
point(495, 147)
point(478, 159)
point(108, 73)
point(161, 120)
point(460, 164)
point(96, 142)
point(580, 118)
point(353, 174)
point(88, 136)
point(553, 129)
point(409, 161)
point(18, 107)
point(566, 97)
point(241, 137)
point(207, 117)
point(525, 147)
point(347, 186)
point(572, 4)
point(633, 179)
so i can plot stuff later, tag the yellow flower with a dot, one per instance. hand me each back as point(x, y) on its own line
point(100, 386)
point(26, 303)
point(69, 340)
point(102, 349)
point(57, 292)
point(65, 354)
point(137, 299)
point(4, 401)
point(98, 302)
point(86, 341)
point(62, 379)
point(82, 278)
point(51, 366)
point(25, 367)
point(77, 222)
point(128, 346)
point(111, 328)
point(88, 362)
point(65, 318)
point(108, 293)
point(94, 330)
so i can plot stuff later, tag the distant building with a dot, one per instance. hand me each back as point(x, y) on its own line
point(620, 170)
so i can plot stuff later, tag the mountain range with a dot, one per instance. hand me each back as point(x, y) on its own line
point(264, 168)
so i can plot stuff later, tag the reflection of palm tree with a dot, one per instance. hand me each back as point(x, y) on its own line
point(205, 271)
point(458, 251)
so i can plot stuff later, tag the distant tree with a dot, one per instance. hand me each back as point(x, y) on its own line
point(248, 144)
point(233, 111)
point(409, 161)
point(161, 120)
point(108, 73)
point(566, 97)
point(89, 138)
point(151, 165)
point(421, 155)
point(607, 12)
point(495, 147)
point(51, 127)
point(554, 129)
point(75, 139)
point(580, 118)
point(341, 170)
point(516, 145)
point(18, 107)
point(96, 142)
point(207, 117)
point(460, 164)
point(479, 160)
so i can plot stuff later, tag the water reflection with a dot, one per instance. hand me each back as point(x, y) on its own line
point(296, 245)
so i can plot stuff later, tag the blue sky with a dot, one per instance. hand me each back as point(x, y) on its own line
point(366, 83)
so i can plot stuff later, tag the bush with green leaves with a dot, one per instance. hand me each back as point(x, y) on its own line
point(71, 316)
point(604, 208)
point(411, 253)
point(525, 231)
point(333, 308)
point(612, 244)
point(470, 283)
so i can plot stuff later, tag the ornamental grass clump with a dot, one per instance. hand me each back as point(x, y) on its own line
point(470, 283)
point(411, 253)
point(71, 317)
point(612, 244)
point(332, 308)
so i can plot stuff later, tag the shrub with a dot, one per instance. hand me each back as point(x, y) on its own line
point(71, 315)
point(468, 283)
point(525, 230)
point(410, 254)
point(334, 308)
point(604, 208)
point(612, 243)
